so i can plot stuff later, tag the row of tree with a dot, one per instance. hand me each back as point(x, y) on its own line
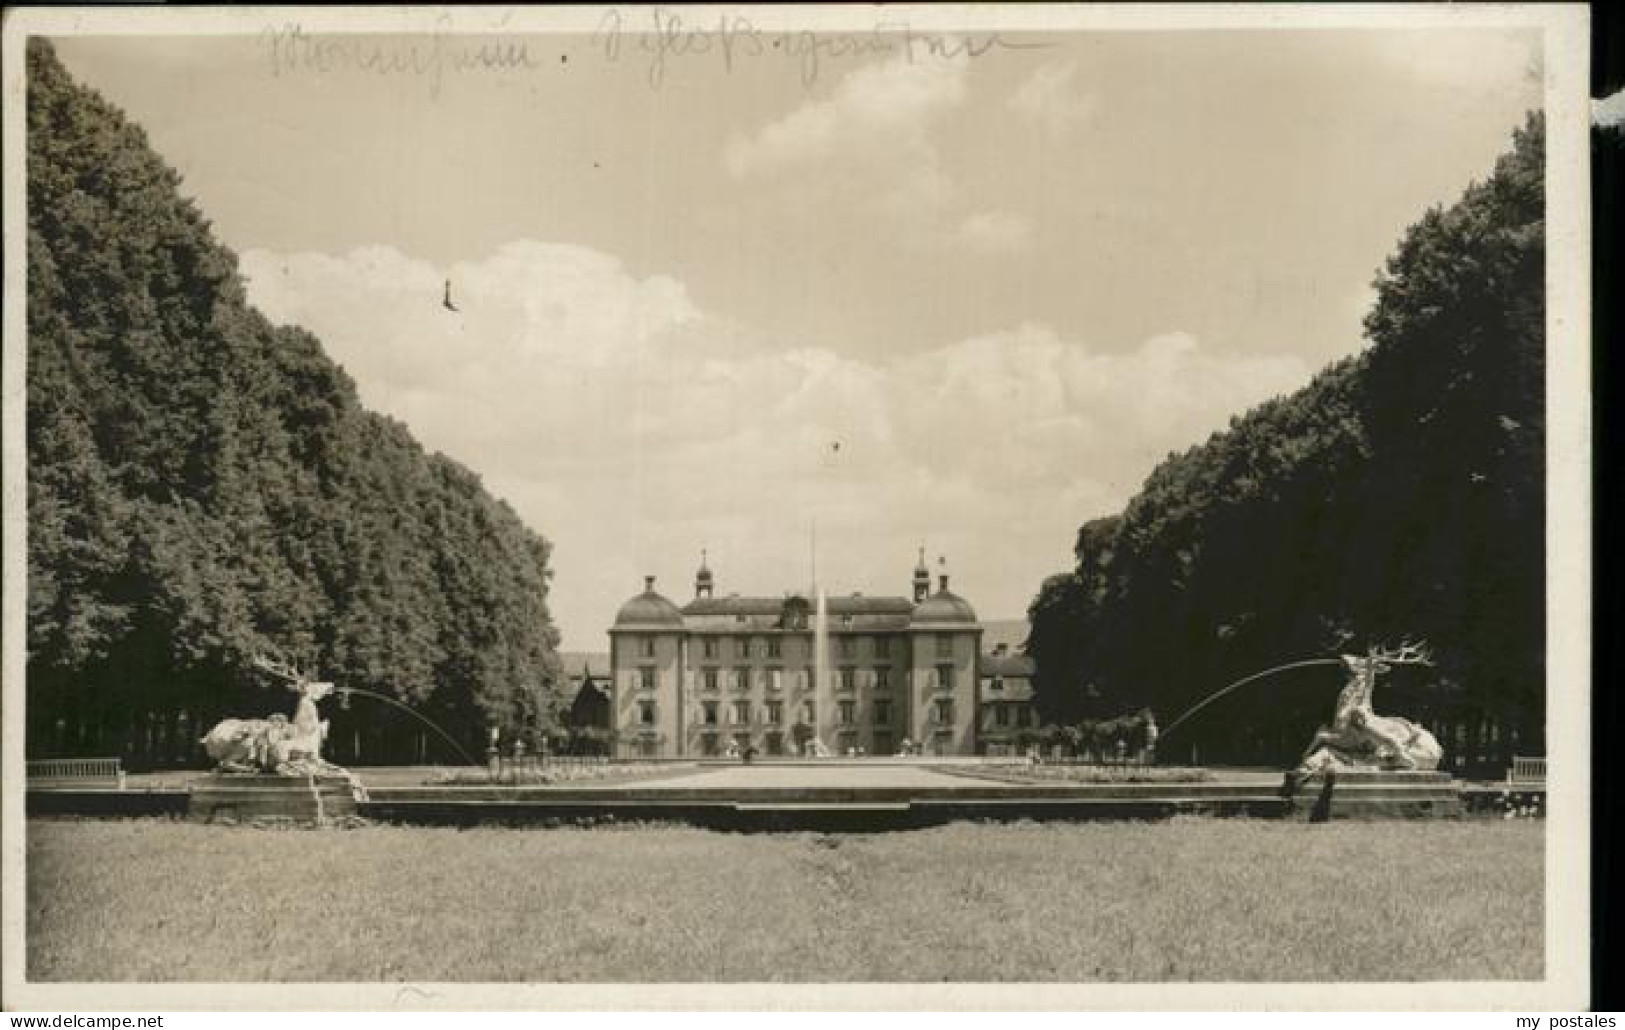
point(204, 486)
point(1399, 495)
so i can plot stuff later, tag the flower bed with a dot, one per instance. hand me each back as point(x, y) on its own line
point(1083, 773)
point(1508, 803)
point(546, 775)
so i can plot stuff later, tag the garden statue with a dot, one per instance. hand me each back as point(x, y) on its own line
point(273, 768)
point(276, 745)
point(1360, 739)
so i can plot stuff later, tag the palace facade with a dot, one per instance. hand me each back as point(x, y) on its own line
point(794, 674)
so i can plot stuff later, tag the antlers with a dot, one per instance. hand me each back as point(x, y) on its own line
point(1408, 654)
point(276, 667)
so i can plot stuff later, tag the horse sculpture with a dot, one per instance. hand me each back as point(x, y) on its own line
point(1359, 738)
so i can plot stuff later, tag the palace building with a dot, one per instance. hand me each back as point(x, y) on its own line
point(794, 674)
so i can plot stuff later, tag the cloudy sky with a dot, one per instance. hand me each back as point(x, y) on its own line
point(1004, 285)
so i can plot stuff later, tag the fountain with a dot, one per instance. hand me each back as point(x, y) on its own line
point(1238, 684)
point(272, 767)
point(344, 699)
point(1381, 764)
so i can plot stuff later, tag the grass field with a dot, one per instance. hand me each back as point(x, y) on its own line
point(1191, 899)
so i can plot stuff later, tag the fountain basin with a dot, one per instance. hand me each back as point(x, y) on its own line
point(241, 797)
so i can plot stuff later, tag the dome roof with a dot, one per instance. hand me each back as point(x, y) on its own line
point(944, 606)
point(649, 609)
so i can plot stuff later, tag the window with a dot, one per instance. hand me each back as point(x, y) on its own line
point(709, 647)
point(847, 713)
point(745, 648)
point(709, 678)
point(742, 678)
point(646, 647)
point(741, 713)
point(1001, 715)
point(945, 677)
point(775, 679)
point(848, 680)
point(710, 713)
point(775, 712)
point(775, 647)
point(882, 679)
point(882, 713)
point(646, 679)
point(945, 645)
point(883, 647)
point(809, 712)
point(997, 684)
point(646, 713)
point(942, 712)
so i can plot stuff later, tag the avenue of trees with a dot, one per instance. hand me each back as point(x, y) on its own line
point(204, 486)
point(1399, 495)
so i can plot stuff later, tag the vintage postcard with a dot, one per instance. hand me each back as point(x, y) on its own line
point(813, 507)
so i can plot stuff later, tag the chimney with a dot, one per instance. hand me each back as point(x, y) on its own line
point(648, 584)
point(943, 581)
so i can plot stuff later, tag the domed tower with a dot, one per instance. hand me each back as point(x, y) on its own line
point(646, 675)
point(946, 640)
point(922, 579)
point(702, 578)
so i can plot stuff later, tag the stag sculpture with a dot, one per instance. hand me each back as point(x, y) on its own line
point(1359, 738)
point(275, 744)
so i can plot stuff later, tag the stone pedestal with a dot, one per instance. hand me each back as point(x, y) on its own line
point(246, 797)
point(1380, 793)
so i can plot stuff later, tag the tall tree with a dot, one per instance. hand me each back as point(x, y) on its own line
point(204, 486)
point(1400, 493)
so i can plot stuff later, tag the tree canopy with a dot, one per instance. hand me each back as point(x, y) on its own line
point(204, 486)
point(1400, 494)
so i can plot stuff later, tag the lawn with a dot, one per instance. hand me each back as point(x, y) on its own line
point(1190, 899)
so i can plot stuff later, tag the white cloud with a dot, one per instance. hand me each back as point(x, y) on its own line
point(1049, 99)
point(872, 143)
point(632, 428)
point(889, 104)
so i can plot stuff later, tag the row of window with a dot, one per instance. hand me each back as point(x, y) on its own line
point(739, 714)
point(717, 648)
point(846, 713)
point(846, 678)
point(1014, 715)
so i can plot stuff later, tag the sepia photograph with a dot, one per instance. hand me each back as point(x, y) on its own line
point(741, 506)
